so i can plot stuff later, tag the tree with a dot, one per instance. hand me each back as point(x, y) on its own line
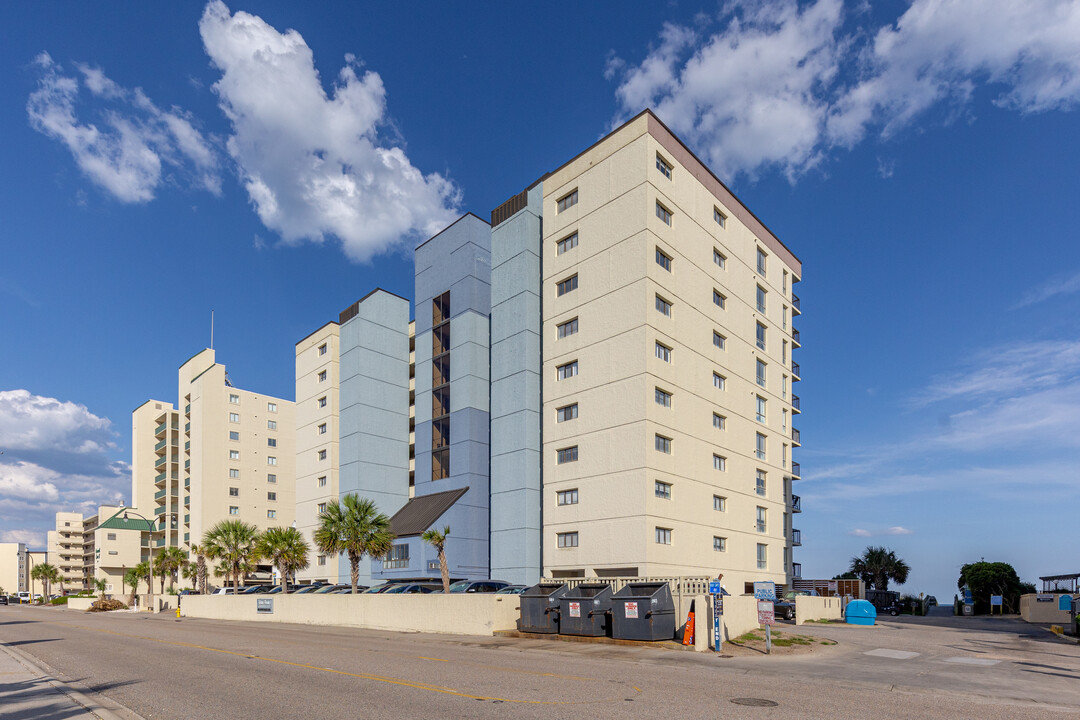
point(354, 527)
point(131, 580)
point(437, 540)
point(142, 572)
point(992, 578)
point(45, 573)
point(232, 542)
point(200, 568)
point(100, 586)
point(877, 566)
point(846, 576)
point(169, 562)
point(286, 549)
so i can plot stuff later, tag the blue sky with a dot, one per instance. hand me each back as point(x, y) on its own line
point(275, 161)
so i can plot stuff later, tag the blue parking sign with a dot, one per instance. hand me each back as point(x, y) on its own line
point(714, 587)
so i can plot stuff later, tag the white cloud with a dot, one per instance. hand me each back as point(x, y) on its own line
point(859, 532)
point(125, 152)
point(898, 530)
point(781, 85)
point(26, 481)
point(35, 423)
point(330, 172)
point(34, 539)
point(1051, 288)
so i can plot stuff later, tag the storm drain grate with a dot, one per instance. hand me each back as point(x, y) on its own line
point(754, 702)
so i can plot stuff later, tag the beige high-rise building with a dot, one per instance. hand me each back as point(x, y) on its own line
point(223, 453)
point(14, 568)
point(65, 548)
point(667, 369)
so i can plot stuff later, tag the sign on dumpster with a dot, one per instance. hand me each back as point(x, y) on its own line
point(765, 590)
point(631, 610)
point(575, 609)
point(766, 613)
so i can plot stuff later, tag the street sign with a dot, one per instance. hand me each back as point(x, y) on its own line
point(766, 612)
point(995, 600)
point(765, 590)
point(714, 587)
point(264, 605)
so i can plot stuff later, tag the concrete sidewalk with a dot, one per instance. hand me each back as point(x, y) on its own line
point(29, 691)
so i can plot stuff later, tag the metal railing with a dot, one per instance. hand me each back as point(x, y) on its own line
point(795, 335)
point(796, 503)
point(160, 428)
point(795, 370)
point(796, 469)
point(795, 302)
point(795, 402)
point(795, 435)
point(796, 537)
point(796, 570)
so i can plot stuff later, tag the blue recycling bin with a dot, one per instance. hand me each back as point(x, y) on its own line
point(860, 612)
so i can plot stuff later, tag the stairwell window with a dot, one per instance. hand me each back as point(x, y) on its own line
point(321, 507)
point(719, 381)
point(663, 398)
point(567, 201)
point(271, 460)
point(762, 516)
point(663, 352)
point(759, 447)
point(663, 444)
point(719, 217)
point(569, 370)
point(567, 285)
point(761, 365)
point(234, 454)
point(234, 399)
point(759, 483)
point(719, 258)
point(760, 336)
point(322, 428)
point(761, 262)
point(762, 557)
point(567, 497)
point(719, 421)
point(719, 463)
point(234, 510)
point(271, 407)
point(719, 503)
point(234, 417)
point(663, 490)
point(719, 299)
point(719, 544)
point(760, 415)
point(719, 340)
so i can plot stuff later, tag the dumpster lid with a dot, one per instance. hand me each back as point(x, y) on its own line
point(588, 590)
point(860, 608)
point(542, 590)
point(644, 588)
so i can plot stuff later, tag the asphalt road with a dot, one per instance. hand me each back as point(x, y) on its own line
point(163, 667)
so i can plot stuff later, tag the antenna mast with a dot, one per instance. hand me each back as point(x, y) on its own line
point(211, 329)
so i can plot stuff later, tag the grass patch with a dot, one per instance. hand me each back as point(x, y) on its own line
point(827, 642)
point(793, 640)
point(748, 637)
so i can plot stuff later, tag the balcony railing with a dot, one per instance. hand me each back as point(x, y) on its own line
point(160, 543)
point(160, 462)
point(187, 483)
point(159, 478)
point(796, 570)
point(187, 519)
point(796, 470)
point(796, 537)
point(161, 445)
point(161, 493)
point(187, 501)
point(796, 503)
point(187, 446)
point(187, 427)
point(795, 402)
point(160, 429)
point(795, 303)
point(795, 436)
point(187, 409)
point(187, 464)
point(795, 371)
point(795, 336)
point(161, 510)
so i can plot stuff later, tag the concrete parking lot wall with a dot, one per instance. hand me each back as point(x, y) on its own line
point(480, 614)
point(740, 616)
point(74, 603)
point(1042, 612)
point(817, 608)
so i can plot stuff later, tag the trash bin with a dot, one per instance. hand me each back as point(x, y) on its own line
point(643, 611)
point(584, 610)
point(540, 608)
point(860, 612)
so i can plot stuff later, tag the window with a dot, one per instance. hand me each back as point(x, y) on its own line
point(322, 349)
point(271, 460)
point(663, 259)
point(663, 166)
point(761, 517)
point(784, 317)
point(783, 419)
point(760, 299)
point(234, 492)
point(719, 462)
point(719, 340)
point(663, 306)
point(234, 454)
point(322, 481)
point(566, 371)
point(112, 552)
point(110, 536)
point(567, 497)
point(233, 435)
point(322, 429)
point(567, 455)
point(271, 496)
point(567, 201)
point(759, 483)
point(760, 447)
point(783, 285)
point(719, 544)
point(761, 336)
point(719, 217)
point(322, 508)
point(398, 557)
point(271, 407)
point(663, 536)
point(761, 261)
point(440, 464)
point(321, 560)
point(567, 285)
point(234, 510)
point(322, 376)
point(271, 478)
point(762, 557)
point(234, 399)
point(234, 473)
point(271, 514)
point(663, 444)
point(719, 258)
point(783, 455)
point(234, 417)
point(719, 421)
point(663, 397)
point(761, 373)
point(568, 412)
point(567, 540)
point(567, 243)
point(664, 214)
point(663, 352)
point(663, 490)
point(719, 503)
point(568, 328)
point(719, 381)
point(322, 455)
point(783, 353)
point(322, 401)
point(271, 442)
point(760, 417)
point(719, 299)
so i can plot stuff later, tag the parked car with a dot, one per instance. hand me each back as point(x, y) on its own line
point(784, 609)
point(379, 589)
point(251, 590)
point(224, 591)
point(347, 590)
point(309, 588)
point(512, 590)
point(24, 597)
point(325, 589)
point(3, 599)
point(478, 586)
point(412, 589)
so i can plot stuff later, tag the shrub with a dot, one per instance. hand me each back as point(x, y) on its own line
point(59, 601)
point(106, 606)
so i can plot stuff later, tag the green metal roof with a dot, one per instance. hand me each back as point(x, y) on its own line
point(117, 522)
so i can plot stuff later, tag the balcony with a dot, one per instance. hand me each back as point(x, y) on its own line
point(187, 537)
point(187, 519)
point(161, 445)
point(159, 478)
point(796, 537)
point(795, 403)
point(187, 501)
point(160, 430)
point(161, 493)
point(796, 503)
point(795, 435)
point(160, 462)
point(796, 470)
point(159, 543)
point(187, 464)
point(795, 338)
point(160, 511)
point(795, 371)
point(187, 408)
point(187, 427)
point(187, 446)
point(796, 570)
point(796, 304)
point(187, 483)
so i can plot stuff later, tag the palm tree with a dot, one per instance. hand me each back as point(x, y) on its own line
point(100, 586)
point(169, 563)
point(43, 572)
point(191, 572)
point(354, 527)
point(131, 579)
point(878, 565)
point(437, 540)
point(233, 543)
point(200, 568)
point(142, 572)
point(286, 549)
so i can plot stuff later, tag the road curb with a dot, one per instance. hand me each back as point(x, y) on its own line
point(94, 703)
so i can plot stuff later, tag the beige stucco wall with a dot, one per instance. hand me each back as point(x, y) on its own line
point(456, 614)
point(1042, 612)
point(817, 608)
point(14, 568)
point(618, 280)
point(81, 604)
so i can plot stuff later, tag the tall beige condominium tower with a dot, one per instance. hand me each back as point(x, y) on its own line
point(667, 369)
point(65, 548)
point(223, 453)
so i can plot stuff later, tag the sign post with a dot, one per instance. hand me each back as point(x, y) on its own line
point(717, 592)
point(765, 593)
point(995, 602)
